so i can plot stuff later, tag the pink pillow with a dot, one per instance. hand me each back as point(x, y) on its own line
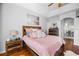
point(28, 29)
point(33, 35)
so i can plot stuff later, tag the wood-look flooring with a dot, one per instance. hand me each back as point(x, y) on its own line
point(18, 52)
point(22, 52)
point(75, 49)
point(26, 52)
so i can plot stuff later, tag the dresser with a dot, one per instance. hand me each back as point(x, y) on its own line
point(53, 31)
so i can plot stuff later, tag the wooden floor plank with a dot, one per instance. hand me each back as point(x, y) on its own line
point(26, 52)
point(22, 52)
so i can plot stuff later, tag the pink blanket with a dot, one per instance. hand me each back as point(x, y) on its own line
point(44, 46)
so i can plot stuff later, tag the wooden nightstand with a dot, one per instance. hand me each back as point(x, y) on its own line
point(68, 43)
point(13, 45)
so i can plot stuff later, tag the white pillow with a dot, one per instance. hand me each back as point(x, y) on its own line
point(43, 34)
point(34, 30)
point(40, 34)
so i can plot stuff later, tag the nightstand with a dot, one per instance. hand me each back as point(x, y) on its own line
point(68, 43)
point(13, 45)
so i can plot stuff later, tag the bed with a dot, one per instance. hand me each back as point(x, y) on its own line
point(46, 46)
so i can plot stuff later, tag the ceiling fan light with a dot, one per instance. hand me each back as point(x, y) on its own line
point(50, 4)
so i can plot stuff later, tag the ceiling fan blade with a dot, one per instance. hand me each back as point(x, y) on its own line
point(60, 4)
point(50, 4)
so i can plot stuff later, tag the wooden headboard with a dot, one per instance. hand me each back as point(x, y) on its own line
point(34, 27)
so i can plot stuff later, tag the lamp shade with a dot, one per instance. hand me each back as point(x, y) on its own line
point(14, 34)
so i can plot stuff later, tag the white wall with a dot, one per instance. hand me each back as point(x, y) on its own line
point(54, 19)
point(71, 14)
point(76, 33)
point(43, 23)
point(51, 21)
point(68, 11)
point(0, 21)
point(0, 27)
point(59, 18)
point(64, 9)
point(13, 18)
point(66, 15)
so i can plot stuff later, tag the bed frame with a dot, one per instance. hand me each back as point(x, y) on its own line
point(59, 52)
point(24, 33)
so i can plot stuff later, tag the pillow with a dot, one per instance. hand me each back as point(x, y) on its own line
point(40, 34)
point(43, 34)
point(33, 35)
point(28, 31)
point(28, 34)
point(36, 33)
point(34, 30)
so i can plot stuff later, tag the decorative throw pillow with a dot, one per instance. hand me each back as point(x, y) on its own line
point(34, 30)
point(40, 34)
point(43, 34)
point(28, 31)
point(33, 35)
point(36, 33)
point(28, 34)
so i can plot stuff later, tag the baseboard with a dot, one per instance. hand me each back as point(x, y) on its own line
point(2, 52)
point(76, 44)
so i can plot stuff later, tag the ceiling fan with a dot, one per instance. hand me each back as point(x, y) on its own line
point(58, 4)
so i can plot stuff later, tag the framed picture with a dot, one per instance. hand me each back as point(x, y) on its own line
point(33, 20)
point(36, 21)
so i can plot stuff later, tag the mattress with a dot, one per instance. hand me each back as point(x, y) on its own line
point(46, 46)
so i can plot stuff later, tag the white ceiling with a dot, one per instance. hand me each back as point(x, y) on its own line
point(40, 8)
